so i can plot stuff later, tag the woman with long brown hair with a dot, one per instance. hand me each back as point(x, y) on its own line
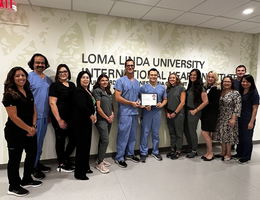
point(105, 117)
point(20, 130)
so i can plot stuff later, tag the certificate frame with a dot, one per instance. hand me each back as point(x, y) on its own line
point(149, 99)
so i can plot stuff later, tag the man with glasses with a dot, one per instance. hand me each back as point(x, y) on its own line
point(39, 85)
point(126, 94)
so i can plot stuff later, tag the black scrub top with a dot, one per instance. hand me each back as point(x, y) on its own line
point(64, 102)
point(25, 110)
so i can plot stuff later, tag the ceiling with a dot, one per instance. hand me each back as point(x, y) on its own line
point(216, 14)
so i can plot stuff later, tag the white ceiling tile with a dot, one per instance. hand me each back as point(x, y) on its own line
point(241, 26)
point(237, 13)
point(218, 7)
point(124, 9)
point(93, 6)
point(143, 2)
point(191, 19)
point(254, 19)
point(162, 14)
point(185, 5)
point(253, 31)
point(218, 22)
point(60, 4)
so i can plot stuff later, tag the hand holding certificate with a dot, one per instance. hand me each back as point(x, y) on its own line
point(149, 99)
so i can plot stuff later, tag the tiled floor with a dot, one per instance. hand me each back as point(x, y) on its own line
point(182, 179)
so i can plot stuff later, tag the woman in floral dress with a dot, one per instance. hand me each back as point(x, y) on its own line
point(227, 124)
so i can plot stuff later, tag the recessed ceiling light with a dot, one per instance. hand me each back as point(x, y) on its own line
point(247, 11)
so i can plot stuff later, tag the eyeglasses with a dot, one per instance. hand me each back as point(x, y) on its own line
point(130, 66)
point(37, 63)
point(63, 72)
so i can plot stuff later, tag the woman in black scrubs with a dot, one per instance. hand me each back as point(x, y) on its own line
point(20, 130)
point(82, 118)
point(61, 95)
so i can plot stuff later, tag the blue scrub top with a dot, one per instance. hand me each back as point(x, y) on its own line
point(40, 90)
point(237, 84)
point(159, 90)
point(130, 91)
point(247, 105)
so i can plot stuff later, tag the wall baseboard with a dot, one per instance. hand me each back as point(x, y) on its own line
point(113, 154)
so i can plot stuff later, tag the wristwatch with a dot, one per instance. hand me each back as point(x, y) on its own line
point(34, 126)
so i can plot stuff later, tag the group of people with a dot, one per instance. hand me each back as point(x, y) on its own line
point(32, 101)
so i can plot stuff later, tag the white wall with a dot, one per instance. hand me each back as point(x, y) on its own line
point(63, 36)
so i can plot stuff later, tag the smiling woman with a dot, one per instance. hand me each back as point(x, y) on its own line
point(20, 130)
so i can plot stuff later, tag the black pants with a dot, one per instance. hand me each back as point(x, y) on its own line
point(15, 150)
point(83, 142)
point(61, 136)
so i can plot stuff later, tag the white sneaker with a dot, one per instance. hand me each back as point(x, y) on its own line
point(107, 164)
point(102, 168)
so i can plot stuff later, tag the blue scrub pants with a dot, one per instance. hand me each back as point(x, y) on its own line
point(151, 120)
point(126, 136)
point(245, 146)
point(42, 124)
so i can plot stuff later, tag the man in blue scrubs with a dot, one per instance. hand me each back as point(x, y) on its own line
point(151, 116)
point(39, 85)
point(126, 94)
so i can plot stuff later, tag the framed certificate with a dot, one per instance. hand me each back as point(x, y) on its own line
point(149, 99)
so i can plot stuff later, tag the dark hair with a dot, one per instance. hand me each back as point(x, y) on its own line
point(97, 84)
point(252, 88)
point(9, 84)
point(153, 69)
point(197, 87)
point(241, 66)
point(58, 70)
point(79, 77)
point(232, 82)
point(31, 62)
point(178, 81)
point(129, 59)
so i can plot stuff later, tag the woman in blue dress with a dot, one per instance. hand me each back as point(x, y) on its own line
point(250, 102)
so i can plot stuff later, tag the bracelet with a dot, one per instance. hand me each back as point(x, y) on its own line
point(112, 113)
point(30, 130)
point(175, 113)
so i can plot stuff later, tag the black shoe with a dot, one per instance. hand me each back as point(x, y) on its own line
point(132, 158)
point(209, 159)
point(83, 177)
point(19, 192)
point(31, 184)
point(43, 168)
point(157, 156)
point(143, 158)
point(89, 171)
point(70, 164)
point(192, 154)
point(38, 173)
point(121, 163)
point(65, 168)
point(243, 161)
point(176, 155)
point(202, 157)
point(171, 153)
